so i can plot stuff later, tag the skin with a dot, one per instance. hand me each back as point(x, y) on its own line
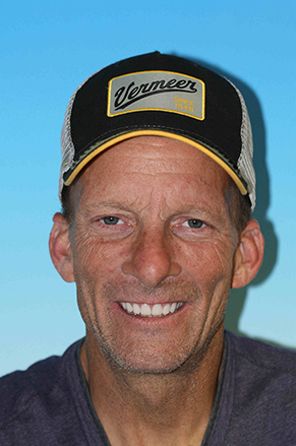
point(153, 380)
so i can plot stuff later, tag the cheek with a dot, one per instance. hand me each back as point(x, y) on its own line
point(210, 267)
point(94, 260)
point(210, 262)
point(94, 265)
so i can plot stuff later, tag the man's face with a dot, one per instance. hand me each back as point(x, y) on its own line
point(153, 249)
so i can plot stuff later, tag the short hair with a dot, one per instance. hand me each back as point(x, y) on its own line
point(239, 205)
point(67, 206)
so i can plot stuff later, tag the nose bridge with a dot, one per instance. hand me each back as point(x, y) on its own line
point(153, 247)
point(152, 257)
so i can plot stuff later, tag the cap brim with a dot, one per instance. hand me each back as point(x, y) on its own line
point(122, 137)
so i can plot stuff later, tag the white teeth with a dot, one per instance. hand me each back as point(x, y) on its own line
point(166, 309)
point(137, 309)
point(173, 307)
point(129, 308)
point(156, 310)
point(146, 310)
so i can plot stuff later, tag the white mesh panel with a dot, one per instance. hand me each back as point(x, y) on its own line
point(68, 150)
point(245, 161)
point(66, 142)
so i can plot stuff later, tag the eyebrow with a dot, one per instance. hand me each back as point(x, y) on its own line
point(105, 204)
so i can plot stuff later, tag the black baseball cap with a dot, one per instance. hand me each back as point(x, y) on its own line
point(164, 95)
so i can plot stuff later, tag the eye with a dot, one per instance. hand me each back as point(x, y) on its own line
point(190, 228)
point(111, 220)
point(110, 227)
point(194, 223)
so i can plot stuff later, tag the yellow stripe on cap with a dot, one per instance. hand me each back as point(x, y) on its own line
point(132, 134)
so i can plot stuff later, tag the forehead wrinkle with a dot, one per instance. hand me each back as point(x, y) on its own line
point(142, 166)
point(98, 201)
point(134, 198)
point(159, 165)
point(216, 176)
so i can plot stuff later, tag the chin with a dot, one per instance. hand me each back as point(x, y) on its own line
point(155, 363)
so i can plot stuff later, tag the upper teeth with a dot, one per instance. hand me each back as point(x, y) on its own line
point(147, 310)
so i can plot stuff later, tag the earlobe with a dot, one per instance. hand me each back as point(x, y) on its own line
point(249, 255)
point(60, 248)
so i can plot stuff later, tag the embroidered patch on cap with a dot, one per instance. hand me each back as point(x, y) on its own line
point(157, 90)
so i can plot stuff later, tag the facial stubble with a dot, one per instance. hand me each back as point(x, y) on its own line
point(184, 361)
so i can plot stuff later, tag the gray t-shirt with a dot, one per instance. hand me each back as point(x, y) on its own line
point(49, 404)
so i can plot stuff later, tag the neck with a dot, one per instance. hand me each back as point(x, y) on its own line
point(161, 409)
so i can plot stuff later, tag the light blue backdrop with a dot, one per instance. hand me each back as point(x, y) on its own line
point(47, 49)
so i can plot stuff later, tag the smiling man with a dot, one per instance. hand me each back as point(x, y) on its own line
point(157, 188)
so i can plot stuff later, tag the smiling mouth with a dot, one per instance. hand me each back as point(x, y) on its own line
point(147, 310)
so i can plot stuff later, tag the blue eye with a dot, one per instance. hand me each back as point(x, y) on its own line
point(194, 223)
point(110, 220)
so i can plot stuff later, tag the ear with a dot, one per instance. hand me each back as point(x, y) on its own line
point(249, 255)
point(60, 247)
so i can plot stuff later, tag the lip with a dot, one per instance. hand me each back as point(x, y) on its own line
point(151, 320)
point(152, 301)
point(149, 310)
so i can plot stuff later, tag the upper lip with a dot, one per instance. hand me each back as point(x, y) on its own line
point(151, 301)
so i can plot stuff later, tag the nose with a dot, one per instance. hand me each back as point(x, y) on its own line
point(151, 260)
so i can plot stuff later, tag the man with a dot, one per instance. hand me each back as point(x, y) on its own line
point(157, 187)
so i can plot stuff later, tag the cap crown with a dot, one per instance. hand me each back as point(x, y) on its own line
point(159, 92)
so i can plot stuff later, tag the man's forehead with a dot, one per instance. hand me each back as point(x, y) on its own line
point(154, 150)
point(170, 170)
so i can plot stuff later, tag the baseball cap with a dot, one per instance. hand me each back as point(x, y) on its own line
point(164, 95)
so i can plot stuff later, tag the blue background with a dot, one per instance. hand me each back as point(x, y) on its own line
point(47, 49)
